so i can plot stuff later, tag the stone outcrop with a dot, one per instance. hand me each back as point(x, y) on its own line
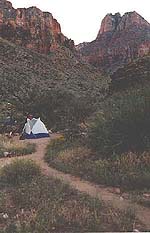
point(31, 28)
point(119, 41)
point(109, 23)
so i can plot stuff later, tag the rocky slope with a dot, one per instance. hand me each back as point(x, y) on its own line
point(52, 85)
point(119, 41)
point(31, 28)
point(136, 75)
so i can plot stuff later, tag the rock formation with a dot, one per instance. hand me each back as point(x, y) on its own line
point(119, 41)
point(31, 28)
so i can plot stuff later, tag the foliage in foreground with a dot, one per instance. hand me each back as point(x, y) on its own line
point(122, 125)
point(128, 171)
point(46, 205)
point(18, 172)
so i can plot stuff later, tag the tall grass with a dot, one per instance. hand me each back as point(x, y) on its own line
point(128, 170)
point(15, 148)
point(19, 172)
point(40, 204)
point(55, 146)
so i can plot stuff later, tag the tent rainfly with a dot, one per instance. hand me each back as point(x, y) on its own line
point(35, 128)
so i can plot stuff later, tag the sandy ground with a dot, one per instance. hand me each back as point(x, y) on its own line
point(103, 193)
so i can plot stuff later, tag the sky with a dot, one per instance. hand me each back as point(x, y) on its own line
point(80, 20)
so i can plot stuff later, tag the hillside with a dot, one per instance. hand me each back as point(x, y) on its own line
point(120, 40)
point(49, 85)
point(133, 75)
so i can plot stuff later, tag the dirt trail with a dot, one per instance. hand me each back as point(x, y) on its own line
point(102, 193)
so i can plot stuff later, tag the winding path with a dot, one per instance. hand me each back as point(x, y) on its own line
point(97, 191)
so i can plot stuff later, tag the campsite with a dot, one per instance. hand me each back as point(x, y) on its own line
point(74, 116)
point(50, 161)
point(34, 128)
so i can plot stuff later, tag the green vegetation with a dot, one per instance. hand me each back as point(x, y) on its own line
point(15, 148)
point(116, 151)
point(57, 145)
point(127, 171)
point(18, 172)
point(65, 155)
point(56, 86)
point(123, 124)
point(132, 75)
point(40, 204)
point(63, 109)
point(8, 110)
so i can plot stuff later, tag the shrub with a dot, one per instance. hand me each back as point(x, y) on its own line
point(64, 109)
point(123, 125)
point(19, 171)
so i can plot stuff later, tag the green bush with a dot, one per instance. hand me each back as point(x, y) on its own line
point(19, 171)
point(64, 109)
point(123, 125)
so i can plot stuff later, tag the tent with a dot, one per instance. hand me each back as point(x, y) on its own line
point(35, 128)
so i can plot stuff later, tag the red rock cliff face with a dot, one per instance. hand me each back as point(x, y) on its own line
point(31, 28)
point(119, 41)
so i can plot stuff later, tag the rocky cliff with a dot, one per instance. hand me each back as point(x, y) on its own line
point(120, 40)
point(31, 28)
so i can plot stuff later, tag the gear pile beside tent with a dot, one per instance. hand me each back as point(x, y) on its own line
point(34, 128)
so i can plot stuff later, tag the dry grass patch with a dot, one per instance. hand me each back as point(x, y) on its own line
point(73, 154)
point(10, 147)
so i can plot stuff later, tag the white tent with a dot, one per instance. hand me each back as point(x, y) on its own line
point(35, 128)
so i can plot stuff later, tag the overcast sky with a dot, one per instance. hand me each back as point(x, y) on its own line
point(80, 19)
